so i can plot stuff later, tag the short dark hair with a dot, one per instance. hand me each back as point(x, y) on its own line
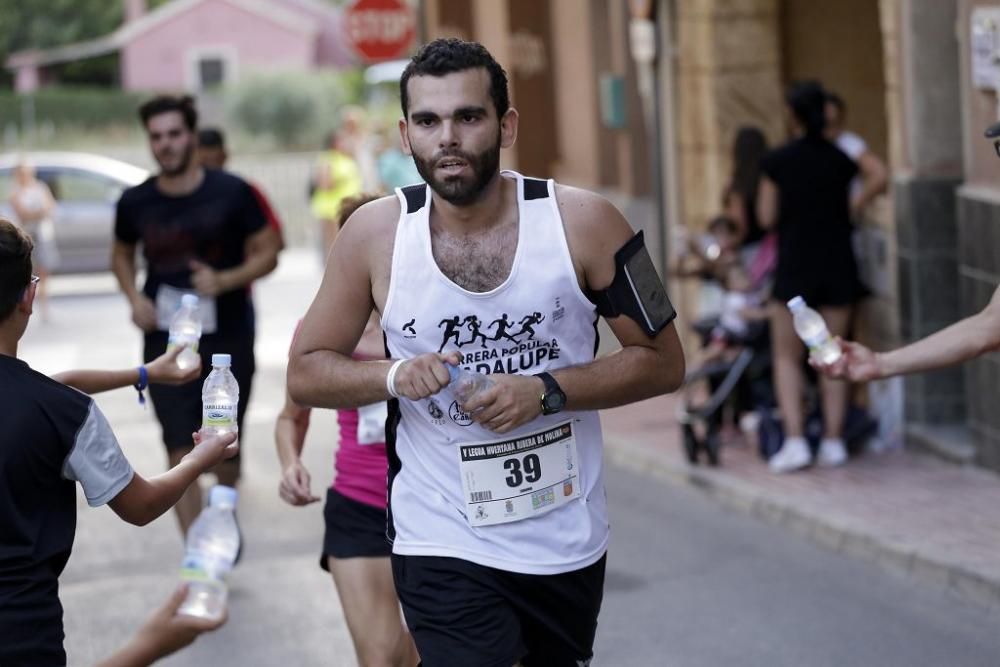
point(167, 103)
point(837, 101)
point(351, 204)
point(445, 56)
point(806, 99)
point(211, 137)
point(15, 266)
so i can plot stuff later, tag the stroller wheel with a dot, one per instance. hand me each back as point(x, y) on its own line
point(690, 444)
point(712, 445)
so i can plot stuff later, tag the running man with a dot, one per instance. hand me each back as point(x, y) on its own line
point(499, 522)
point(202, 231)
point(355, 550)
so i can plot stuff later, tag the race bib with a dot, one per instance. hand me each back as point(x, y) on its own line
point(518, 478)
point(168, 301)
point(371, 423)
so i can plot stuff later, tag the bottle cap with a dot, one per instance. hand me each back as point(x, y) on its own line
point(189, 300)
point(222, 496)
point(453, 372)
point(222, 360)
point(796, 302)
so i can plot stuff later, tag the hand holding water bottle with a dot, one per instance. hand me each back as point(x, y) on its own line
point(166, 370)
point(499, 402)
point(856, 363)
point(811, 328)
point(420, 377)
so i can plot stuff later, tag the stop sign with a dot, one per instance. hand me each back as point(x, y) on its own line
point(380, 29)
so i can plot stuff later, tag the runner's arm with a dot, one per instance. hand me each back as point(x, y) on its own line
point(644, 367)
point(321, 372)
point(289, 437)
point(261, 257)
point(123, 266)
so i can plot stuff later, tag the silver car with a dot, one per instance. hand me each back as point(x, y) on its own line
point(86, 188)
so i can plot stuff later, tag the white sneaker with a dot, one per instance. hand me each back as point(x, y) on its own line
point(832, 453)
point(793, 455)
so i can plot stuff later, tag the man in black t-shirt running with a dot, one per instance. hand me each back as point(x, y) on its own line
point(204, 232)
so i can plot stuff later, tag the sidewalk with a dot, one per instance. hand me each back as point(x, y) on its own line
point(908, 512)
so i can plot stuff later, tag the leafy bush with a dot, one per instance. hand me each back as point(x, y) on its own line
point(68, 107)
point(295, 108)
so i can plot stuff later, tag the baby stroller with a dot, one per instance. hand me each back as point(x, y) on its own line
point(740, 383)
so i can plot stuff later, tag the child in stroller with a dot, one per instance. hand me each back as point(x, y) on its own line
point(734, 361)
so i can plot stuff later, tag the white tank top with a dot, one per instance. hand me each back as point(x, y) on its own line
point(538, 319)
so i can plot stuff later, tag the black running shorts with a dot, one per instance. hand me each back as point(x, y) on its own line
point(461, 613)
point(178, 408)
point(353, 530)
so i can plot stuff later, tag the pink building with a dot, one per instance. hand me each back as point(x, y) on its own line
point(193, 44)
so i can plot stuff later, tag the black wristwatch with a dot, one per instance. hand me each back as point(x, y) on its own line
point(553, 398)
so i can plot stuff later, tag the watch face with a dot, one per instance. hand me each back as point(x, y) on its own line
point(554, 401)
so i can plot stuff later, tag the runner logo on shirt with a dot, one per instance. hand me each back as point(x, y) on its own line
point(499, 344)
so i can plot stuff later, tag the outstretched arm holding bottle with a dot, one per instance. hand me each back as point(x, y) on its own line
point(964, 340)
point(162, 370)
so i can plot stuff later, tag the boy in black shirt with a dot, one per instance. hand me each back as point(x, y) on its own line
point(53, 436)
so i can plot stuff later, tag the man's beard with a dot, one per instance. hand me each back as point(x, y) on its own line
point(461, 190)
point(185, 161)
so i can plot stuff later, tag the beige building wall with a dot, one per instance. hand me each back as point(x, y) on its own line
point(576, 94)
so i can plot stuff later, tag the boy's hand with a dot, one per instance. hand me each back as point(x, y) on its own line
point(164, 369)
point(167, 631)
point(213, 449)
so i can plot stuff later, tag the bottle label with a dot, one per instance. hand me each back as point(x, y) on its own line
point(218, 415)
point(197, 567)
point(182, 341)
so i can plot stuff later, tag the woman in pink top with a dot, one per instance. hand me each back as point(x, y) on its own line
point(355, 549)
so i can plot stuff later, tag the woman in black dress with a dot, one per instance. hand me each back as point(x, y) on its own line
point(804, 193)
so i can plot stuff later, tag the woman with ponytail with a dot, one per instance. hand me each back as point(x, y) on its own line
point(803, 194)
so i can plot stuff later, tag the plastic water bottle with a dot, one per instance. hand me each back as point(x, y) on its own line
point(465, 383)
point(220, 396)
point(185, 331)
point(213, 541)
point(811, 328)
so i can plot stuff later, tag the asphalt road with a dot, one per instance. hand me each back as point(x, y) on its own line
point(689, 583)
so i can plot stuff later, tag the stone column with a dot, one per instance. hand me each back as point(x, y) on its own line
point(728, 74)
point(926, 156)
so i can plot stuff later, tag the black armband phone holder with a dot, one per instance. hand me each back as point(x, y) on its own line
point(637, 290)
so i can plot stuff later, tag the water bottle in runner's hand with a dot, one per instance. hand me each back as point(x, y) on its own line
point(213, 541)
point(811, 328)
point(220, 396)
point(465, 383)
point(185, 331)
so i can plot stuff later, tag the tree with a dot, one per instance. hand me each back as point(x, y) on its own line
point(42, 24)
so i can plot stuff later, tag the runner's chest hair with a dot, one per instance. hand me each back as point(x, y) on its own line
point(477, 262)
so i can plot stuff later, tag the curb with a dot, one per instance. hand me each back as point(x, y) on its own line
point(850, 539)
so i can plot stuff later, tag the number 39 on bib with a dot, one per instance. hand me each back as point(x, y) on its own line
point(518, 478)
